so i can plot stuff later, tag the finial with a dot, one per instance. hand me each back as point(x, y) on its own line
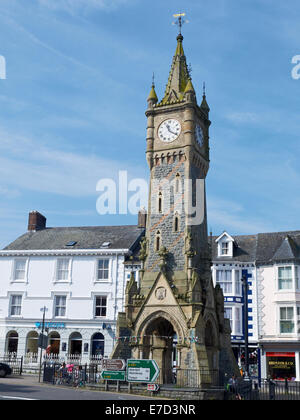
point(190, 70)
point(204, 89)
point(153, 84)
point(180, 21)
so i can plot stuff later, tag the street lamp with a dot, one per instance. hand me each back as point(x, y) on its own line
point(44, 310)
point(246, 334)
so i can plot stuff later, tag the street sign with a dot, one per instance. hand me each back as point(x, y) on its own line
point(113, 364)
point(110, 375)
point(153, 387)
point(43, 341)
point(142, 370)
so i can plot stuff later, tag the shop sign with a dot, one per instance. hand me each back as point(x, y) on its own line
point(281, 364)
point(269, 354)
point(55, 325)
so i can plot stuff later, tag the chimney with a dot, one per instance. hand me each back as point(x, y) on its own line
point(142, 218)
point(36, 221)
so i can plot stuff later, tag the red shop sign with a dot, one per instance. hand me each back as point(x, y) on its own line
point(280, 354)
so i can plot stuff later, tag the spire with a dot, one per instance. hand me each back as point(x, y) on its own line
point(152, 98)
point(189, 87)
point(204, 104)
point(179, 75)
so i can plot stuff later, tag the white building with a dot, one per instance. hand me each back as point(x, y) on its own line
point(279, 304)
point(78, 274)
point(271, 262)
point(233, 258)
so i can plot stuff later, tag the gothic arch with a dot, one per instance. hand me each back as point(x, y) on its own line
point(142, 328)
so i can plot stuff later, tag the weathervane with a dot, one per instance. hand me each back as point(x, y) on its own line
point(180, 21)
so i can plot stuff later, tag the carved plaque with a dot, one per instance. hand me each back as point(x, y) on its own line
point(160, 293)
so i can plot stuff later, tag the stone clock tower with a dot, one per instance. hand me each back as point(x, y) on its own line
point(175, 315)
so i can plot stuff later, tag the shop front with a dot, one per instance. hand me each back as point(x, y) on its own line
point(280, 361)
point(281, 366)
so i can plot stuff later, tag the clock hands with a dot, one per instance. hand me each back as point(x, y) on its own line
point(172, 132)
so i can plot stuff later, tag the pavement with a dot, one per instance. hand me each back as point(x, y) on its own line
point(27, 387)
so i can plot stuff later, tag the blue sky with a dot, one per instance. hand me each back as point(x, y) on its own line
point(72, 108)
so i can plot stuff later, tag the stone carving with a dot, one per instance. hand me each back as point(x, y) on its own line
point(161, 293)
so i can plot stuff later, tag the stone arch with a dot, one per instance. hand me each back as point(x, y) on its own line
point(12, 340)
point(97, 344)
point(160, 314)
point(54, 342)
point(159, 334)
point(75, 343)
point(32, 342)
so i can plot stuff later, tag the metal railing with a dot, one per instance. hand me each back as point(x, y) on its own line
point(32, 358)
point(16, 363)
point(265, 389)
point(190, 378)
point(68, 374)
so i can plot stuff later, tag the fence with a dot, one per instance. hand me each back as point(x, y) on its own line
point(57, 374)
point(32, 359)
point(191, 378)
point(16, 363)
point(265, 389)
point(77, 374)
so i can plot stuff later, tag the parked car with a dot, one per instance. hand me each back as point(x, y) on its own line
point(5, 370)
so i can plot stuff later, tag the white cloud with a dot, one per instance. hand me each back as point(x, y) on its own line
point(26, 164)
point(243, 117)
point(232, 217)
point(72, 6)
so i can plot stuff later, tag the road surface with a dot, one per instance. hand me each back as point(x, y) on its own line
point(27, 388)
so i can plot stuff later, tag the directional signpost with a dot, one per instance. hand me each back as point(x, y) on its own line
point(110, 375)
point(113, 364)
point(153, 387)
point(142, 370)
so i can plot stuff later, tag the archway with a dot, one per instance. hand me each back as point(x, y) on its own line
point(54, 342)
point(32, 343)
point(12, 340)
point(75, 344)
point(97, 345)
point(158, 344)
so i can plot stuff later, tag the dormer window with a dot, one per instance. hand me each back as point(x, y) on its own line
point(225, 245)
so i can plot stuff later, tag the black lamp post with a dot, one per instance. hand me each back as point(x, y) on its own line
point(44, 310)
point(246, 334)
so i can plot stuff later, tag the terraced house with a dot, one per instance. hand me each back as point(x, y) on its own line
point(271, 263)
point(79, 274)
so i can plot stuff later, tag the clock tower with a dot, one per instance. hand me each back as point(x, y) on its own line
point(175, 315)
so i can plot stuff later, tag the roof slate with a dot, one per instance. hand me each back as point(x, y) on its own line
point(262, 248)
point(120, 237)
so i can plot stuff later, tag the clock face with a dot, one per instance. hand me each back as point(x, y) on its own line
point(169, 130)
point(199, 135)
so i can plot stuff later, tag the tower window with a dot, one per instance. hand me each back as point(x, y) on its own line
point(176, 223)
point(157, 241)
point(160, 202)
point(177, 183)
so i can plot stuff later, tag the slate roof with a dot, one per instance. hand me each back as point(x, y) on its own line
point(271, 246)
point(119, 237)
point(262, 248)
point(244, 249)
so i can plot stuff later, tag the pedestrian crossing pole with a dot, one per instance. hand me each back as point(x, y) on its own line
point(246, 332)
point(44, 309)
